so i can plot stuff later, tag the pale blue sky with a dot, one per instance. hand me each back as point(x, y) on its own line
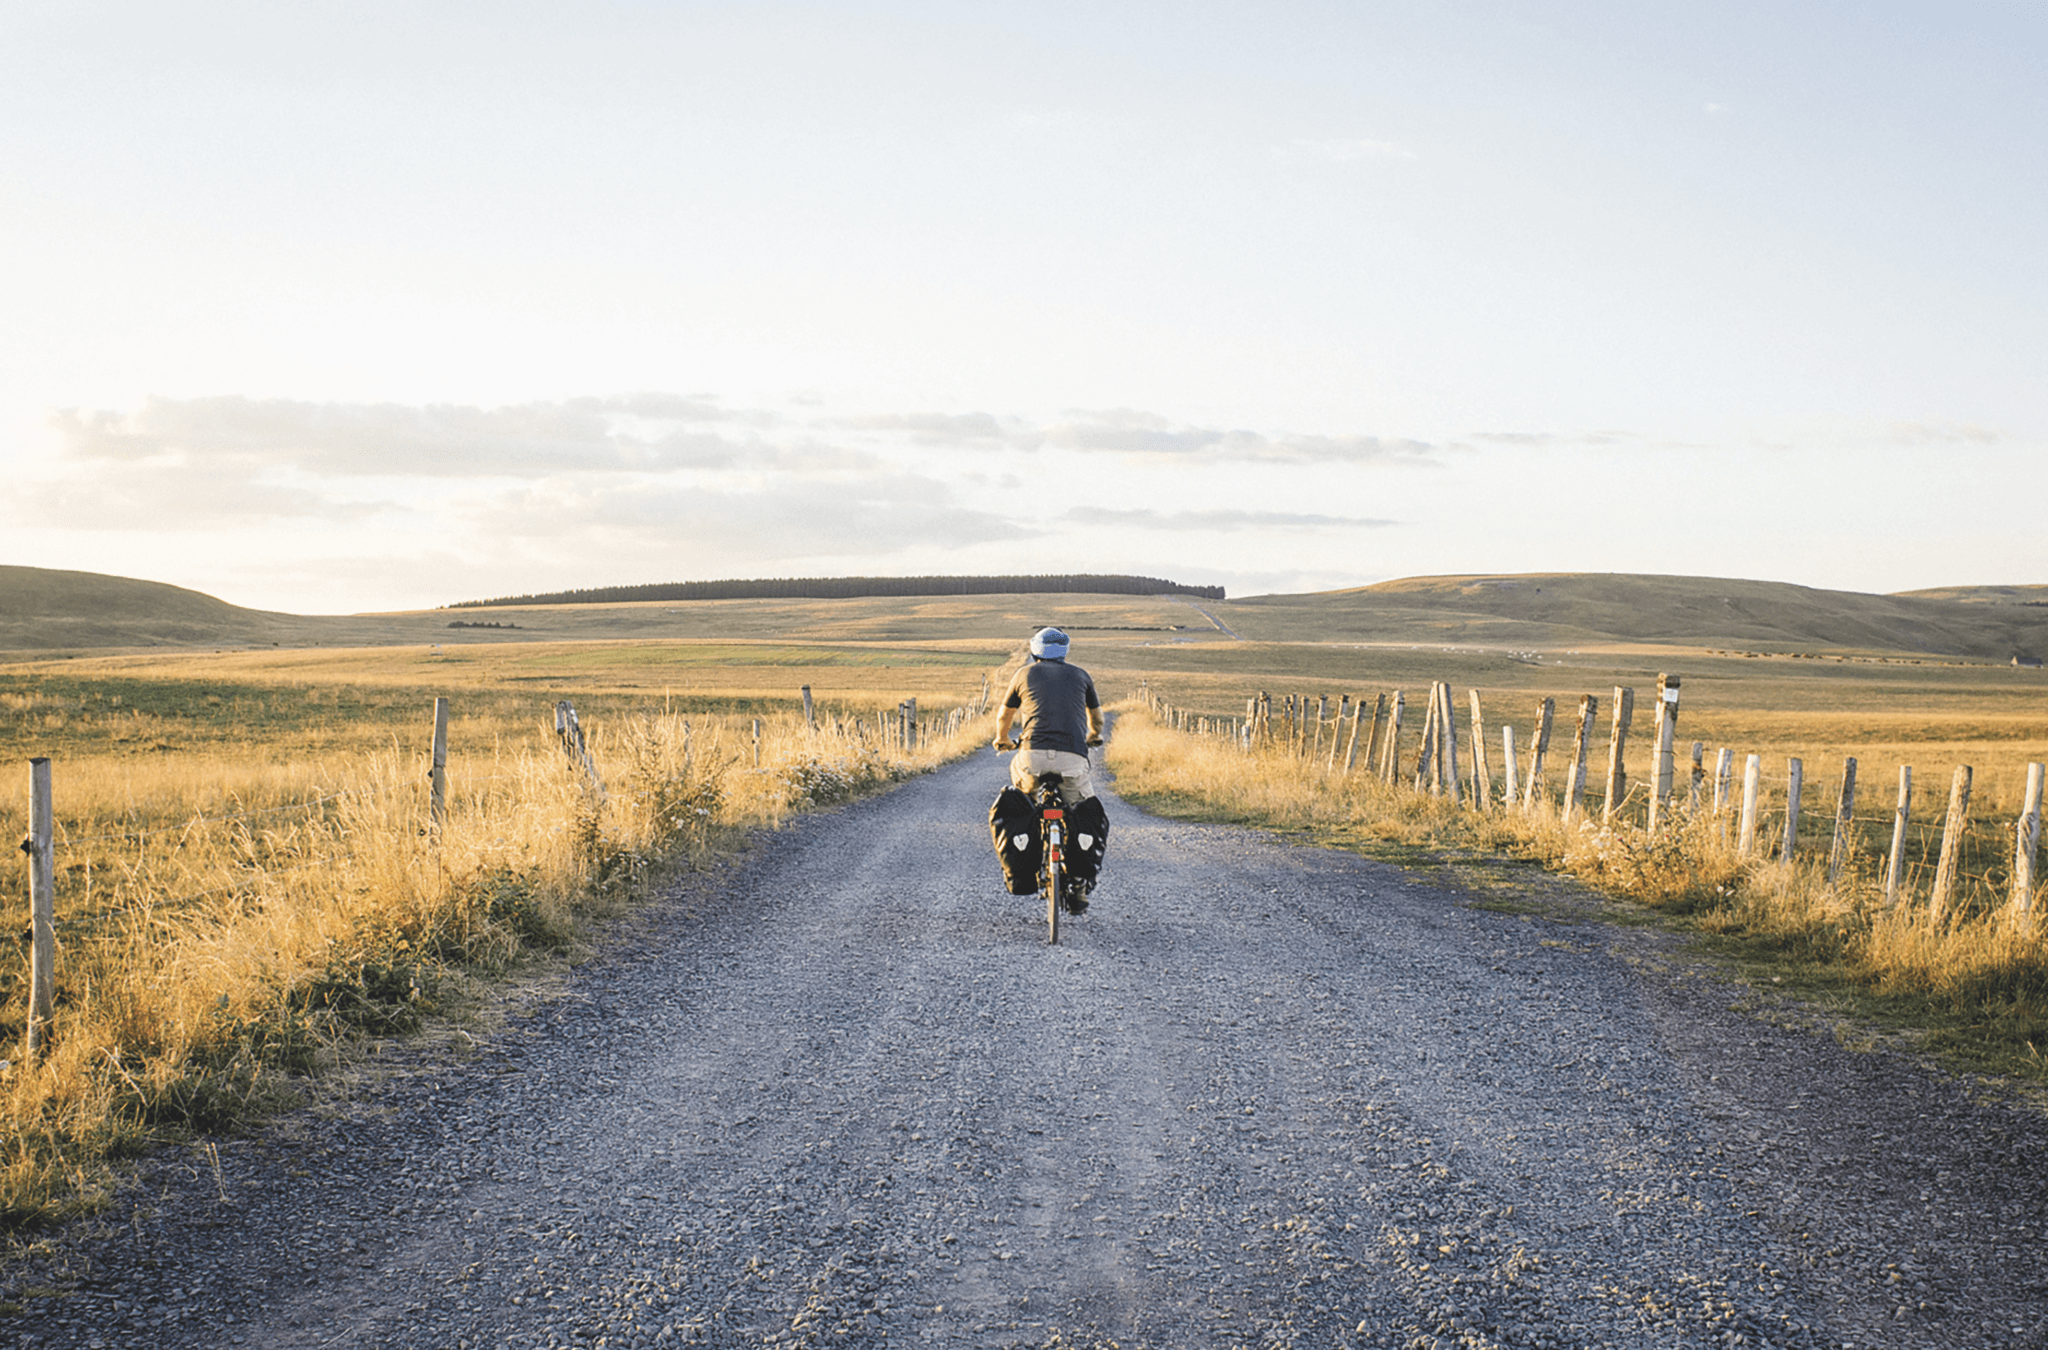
point(354, 306)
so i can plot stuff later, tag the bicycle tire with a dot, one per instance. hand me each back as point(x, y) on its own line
point(1051, 883)
point(1053, 843)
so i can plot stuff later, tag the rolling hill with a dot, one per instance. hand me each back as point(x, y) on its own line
point(1552, 610)
point(45, 611)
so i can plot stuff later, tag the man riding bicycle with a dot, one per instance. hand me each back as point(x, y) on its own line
point(1056, 704)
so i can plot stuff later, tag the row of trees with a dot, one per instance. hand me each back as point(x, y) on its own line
point(851, 588)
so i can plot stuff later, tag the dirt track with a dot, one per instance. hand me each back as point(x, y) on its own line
point(1262, 1095)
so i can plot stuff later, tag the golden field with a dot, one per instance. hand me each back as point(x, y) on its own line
point(248, 878)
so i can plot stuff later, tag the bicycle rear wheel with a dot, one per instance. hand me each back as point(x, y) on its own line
point(1055, 868)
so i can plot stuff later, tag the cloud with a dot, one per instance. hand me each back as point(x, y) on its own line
point(1221, 521)
point(1927, 433)
point(154, 497)
point(1716, 109)
point(1129, 432)
point(867, 516)
point(941, 427)
point(1339, 152)
point(640, 432)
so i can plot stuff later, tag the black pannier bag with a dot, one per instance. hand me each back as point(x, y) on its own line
point(1087, 839)
point(1013, 826)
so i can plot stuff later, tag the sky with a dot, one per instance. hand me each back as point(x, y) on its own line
point(339, 307)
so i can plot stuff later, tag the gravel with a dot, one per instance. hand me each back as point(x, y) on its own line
point(844, 1094)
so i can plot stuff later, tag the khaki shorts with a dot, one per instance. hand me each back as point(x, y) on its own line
point(1077, 783)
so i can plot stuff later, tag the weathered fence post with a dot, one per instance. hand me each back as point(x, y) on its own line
point(1575, 776)
point(1752, 782)
point(1510, 770)
point(570, 730)
point(437, 770)
point(1425, 759)
point(41, 847)
point(811, 713)
point(1661, 750)
point(757, 742)
point(1337, 732)
point(1724, 787)
point(1951, 844)
point(2026, 845)
point(1845, 826)
point(1532, 790)
point(1895, 860)
point(1482, 776)
point(1699, 778)
point(1390, 764)
point(1315, 745)
point(1372, 735)
point(910, 723)
point(1795, 773)
point(1351, 748)
point(1447, 708)
point(1617, 775)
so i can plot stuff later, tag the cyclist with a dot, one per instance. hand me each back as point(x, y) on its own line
point(1056, 704)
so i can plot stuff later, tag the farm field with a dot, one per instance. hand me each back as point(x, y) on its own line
point(251, 811)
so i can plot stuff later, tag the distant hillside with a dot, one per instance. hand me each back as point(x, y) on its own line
point(1552, 610)
point(43, 608)
point(1985, 595)
point(854, 588)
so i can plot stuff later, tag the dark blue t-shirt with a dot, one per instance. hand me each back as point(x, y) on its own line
point(1053, 699)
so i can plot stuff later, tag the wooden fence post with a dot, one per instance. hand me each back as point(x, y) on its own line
point(1447, 708)
point(1795, 773)
point(1425, 759)
point(1697, 788)
point(757, 742)
point(1617, 775)
point(1532, 790)
point(1951, 844)
point(1351, 748)
point(1372, 736)
point(1895, 860)
point(1661, 750)
point(1575, 776)
point(41, 847)
point(1511, 796)
point(1752, 782)
point(570, 730)
point(1845, 825)
point(1482, 776)
point(437, 771)
point(811, 713)
point(1390, 764)
point(1724, 787)
point(910, 724)
point(1315, 746)
point(2026, 845)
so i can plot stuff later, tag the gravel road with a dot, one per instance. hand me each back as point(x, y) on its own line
point(1261, 1095)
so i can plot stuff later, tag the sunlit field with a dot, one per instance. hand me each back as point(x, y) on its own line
point(250, 874)
point(250, 880)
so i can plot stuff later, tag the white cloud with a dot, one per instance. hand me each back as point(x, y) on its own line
point(641, 432)
point(868, 516)
point(1125, 431)
point(1947, 433)
point(1218, 520)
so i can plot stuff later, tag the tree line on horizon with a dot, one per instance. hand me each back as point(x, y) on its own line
point(853, 588)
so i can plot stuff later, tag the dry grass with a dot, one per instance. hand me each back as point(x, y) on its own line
point(1974, 982)
point(247, 881)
